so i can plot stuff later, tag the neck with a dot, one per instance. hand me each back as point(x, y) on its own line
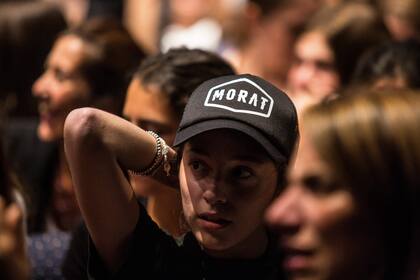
point(251, 248)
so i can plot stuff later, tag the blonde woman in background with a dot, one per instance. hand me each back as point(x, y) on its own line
point(351, 206)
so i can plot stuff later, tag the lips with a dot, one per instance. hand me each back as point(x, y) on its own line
point(42, 108)
point(46, 113)
point(295, 259)
point(212, 221)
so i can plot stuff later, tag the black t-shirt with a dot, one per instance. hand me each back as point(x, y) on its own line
point(155, 255)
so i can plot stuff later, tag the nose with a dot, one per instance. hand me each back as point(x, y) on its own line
point(213, 192)
point(40, 86)
point(284, 214)
point(303, 74)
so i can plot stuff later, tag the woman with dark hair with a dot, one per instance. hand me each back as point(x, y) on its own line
point(327, 51)
point(90, 65)
point(351, 206)
point(27, 31)
point(87, 66)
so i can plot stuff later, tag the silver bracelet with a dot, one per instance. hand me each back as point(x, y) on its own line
point(160, 157)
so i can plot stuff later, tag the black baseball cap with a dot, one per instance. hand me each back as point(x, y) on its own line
point(245, 103)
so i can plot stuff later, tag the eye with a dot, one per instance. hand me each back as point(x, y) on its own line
point(60, 75)
point(198, 167)
point(242, 172)
point(324, 65)
point(297, 61)
point(317, 185)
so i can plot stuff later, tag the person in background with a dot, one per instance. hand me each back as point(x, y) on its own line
point(14, 263)
point(392, 65)
point(350, 209)
point(327, 51)
point(27, 32)
point(269, 30)
point(89, 65)
point(232, 157)
point(191, 23)
point(155, 101)
point(402, 18)
point(76, 12)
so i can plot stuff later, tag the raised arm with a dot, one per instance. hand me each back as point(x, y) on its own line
point(97, 145)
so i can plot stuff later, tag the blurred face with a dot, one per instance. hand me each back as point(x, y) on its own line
point(322, 231)
point(227, 181)
point(61, 88)
point(275, 35)
point(149, 109)
point(400, 28)
point(313, 72)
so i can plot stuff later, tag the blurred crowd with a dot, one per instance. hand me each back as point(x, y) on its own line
point(350, 67)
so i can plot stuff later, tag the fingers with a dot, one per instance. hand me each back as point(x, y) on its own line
point(13, 217)
point(10, 219)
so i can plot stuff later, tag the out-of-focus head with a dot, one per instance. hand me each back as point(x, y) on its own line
point(160, 89)
point(392, 65)
point(89, 65)
point(272, 27)
point(327, 52)
point(173, 76)
point(186, 12)
point(402, 18)
point(27, 32)
point(313, 71)
point(350, 210)
point(236, 136)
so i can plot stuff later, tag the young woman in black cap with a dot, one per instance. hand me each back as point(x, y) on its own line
point(234, 141)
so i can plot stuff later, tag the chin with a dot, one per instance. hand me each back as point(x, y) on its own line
point(49, 134)
point(217, 243)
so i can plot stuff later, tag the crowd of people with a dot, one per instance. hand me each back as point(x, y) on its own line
point(253, 139)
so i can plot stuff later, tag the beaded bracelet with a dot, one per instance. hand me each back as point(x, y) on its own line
point(161, 156)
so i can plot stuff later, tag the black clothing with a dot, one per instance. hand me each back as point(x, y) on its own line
point(34, 162)
point(75, 262)
point(155, 255)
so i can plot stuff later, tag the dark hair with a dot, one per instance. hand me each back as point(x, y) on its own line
point(179, 71)
point(390, 60)
point(350, 29)
point(111, 58)
point(27, 32)
point(268, 6)
point(5, 179)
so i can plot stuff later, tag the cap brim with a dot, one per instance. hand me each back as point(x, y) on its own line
point(188, 132)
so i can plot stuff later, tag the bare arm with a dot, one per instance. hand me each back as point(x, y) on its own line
point(96, 145)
